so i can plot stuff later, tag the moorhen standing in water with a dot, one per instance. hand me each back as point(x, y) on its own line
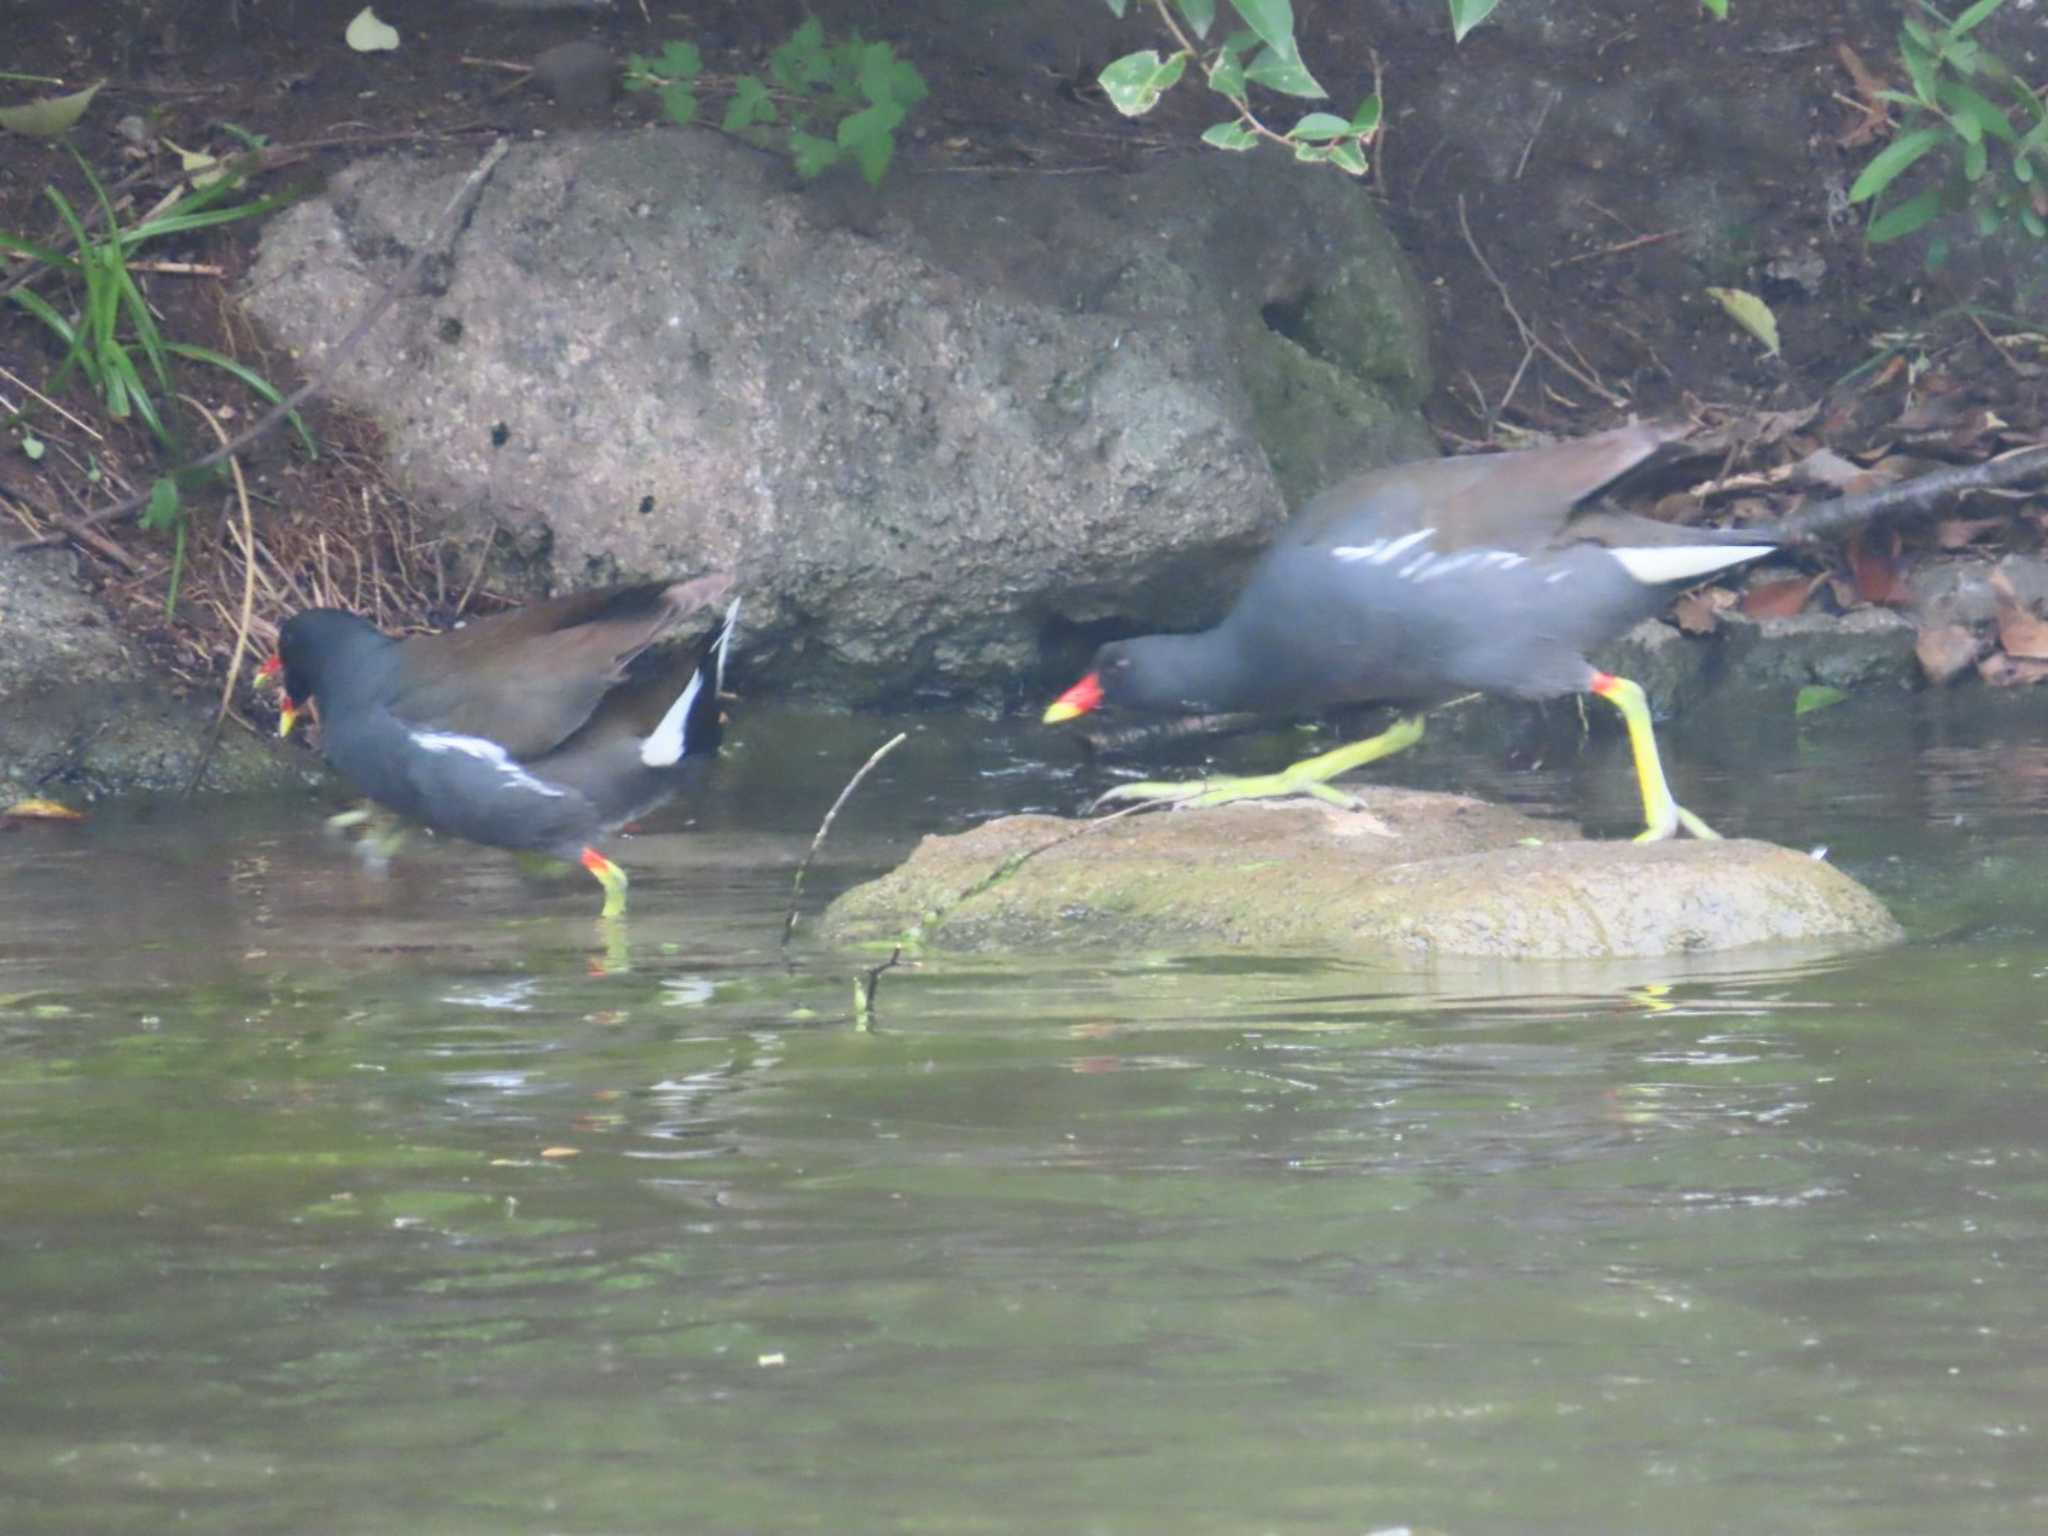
point(1413, 584)
point(539, 730)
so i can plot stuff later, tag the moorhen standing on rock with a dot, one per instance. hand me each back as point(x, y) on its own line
point(540, 729)
point(1413, 584)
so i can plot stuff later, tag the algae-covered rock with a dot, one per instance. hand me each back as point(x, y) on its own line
point(1412, 876)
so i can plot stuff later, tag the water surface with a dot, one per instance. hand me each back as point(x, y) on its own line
point(344, 1204)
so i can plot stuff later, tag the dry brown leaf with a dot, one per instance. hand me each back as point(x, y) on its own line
point(1826, 467)
point(1946, 651)
point(2003, 671)
point(1699, 613)
point(1879, 573)
point(38, 809)
point(1961, 532)
point(2023, 635)
point(1780, 599)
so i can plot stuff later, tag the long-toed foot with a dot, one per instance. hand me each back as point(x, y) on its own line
point(1311, 776)
point(1663, 816)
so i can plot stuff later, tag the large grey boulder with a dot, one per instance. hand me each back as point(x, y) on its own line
point(1412, 879)
point(83, 711)
point(926, 426)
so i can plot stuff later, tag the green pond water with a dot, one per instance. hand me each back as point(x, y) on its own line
point(340, 1204)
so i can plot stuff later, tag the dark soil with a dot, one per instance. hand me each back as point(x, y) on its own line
point(1612, 313)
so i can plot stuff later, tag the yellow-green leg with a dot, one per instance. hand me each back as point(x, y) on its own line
point(612, 878)
point(1663, 816)
point(1310, 776)
point(383, 834)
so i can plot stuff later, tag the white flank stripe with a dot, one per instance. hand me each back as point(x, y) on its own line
point(1683, 562)
point(484, 752)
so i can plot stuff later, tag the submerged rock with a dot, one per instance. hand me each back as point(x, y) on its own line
point(1412, 877)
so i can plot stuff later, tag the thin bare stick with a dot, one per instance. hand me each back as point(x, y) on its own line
point(1529, 337)
point(796, 889)
point(1908, 496)
point(129, 505)
point(227, 686)
point(1535, 133)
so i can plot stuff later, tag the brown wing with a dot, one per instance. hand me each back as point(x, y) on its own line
point(528, 679)
point(1515, 501)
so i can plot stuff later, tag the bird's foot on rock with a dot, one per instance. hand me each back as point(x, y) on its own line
point(1311, 777)
point(1680, 820)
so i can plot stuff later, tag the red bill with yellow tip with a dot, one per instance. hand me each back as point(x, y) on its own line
point(1076, 701)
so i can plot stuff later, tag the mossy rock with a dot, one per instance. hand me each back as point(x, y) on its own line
point(1412, 877)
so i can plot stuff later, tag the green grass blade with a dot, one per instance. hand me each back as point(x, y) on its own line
point(249, 377)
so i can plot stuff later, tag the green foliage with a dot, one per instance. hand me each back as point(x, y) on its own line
point(1264, 53)
point(104, 323)
point(822, 101)
point(1989, 155)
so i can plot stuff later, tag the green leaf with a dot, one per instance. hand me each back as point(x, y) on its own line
point(52, 116)
point(2032, 223)
point(1719, 8)
point(680, 61)
point(1319, 126)
point(1969, 106)
point(873, 154)
point(877, 71)
point(1233, 136)
point(1903, 218)
point(32, 446)
point(1116, 8)
point(2022, 168)
point(1313, 154)
point(876, 122)
point(1973, 17)
point(1272, 20)
point(1284, 73)
point(1816, 696)
point(1920, 70)
point(800, 63)
point(1226, 77)
point(368, 34)
point(1129, 82)
point(1751, 313)
point(1366, 119)
point(1467, 14)
point(750, 104)
point(1987, 218)
point(679, 102)
point(813, 155)
point(1200, 15)
point(1886, 166)
point(1349, 157)
point(1976, 160)
point(162, 511)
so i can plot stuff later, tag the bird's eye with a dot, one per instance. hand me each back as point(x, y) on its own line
point(1120, 664)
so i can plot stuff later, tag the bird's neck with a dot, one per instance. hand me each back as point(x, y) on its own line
point(1206, 672)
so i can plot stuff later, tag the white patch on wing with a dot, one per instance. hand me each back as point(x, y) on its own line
point(1382, 551)
point(1656, 567)
point(485, 752)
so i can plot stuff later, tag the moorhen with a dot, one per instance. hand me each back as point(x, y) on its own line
point(539, 730)
point(1413, 584)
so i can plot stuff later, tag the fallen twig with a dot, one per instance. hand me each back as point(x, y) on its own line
point(796, 889)
point(1908, 496)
